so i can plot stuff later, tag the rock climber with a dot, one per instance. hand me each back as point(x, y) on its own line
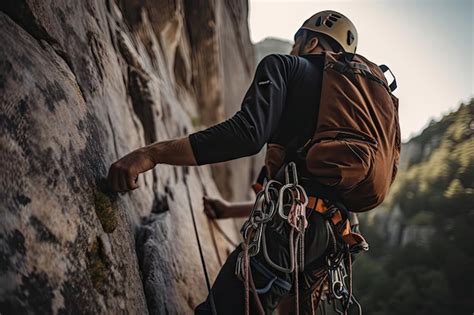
point(279, 107)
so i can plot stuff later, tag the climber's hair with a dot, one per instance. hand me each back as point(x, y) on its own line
point(324, 41)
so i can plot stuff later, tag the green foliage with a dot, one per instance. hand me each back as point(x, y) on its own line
point(421, 218)
point(436, 191)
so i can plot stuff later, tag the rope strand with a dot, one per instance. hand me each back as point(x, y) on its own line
point(214, 241)
point(255, 294)
point(203, 262)
point(246, 277)
point(223, 234)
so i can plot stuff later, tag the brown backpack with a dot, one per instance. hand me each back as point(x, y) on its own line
point(353, 154)
point(356, 145)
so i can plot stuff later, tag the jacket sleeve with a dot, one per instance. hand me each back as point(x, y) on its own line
point(250, 128)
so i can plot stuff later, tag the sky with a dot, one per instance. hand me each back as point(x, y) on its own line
point(428, 45)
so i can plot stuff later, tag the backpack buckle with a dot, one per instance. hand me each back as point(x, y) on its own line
point(339, 66)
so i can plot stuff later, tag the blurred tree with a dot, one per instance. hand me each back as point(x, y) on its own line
point(435, 193)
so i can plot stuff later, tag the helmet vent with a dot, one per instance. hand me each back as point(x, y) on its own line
point(333, 18)
point(328, 23)
point(318, 21)
point(336, 15)
point(350, 38)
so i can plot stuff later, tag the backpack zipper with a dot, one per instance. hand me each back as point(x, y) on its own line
point(354, 136)
point(341, 136)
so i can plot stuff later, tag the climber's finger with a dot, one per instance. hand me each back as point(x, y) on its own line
point(210, 213)
point(122, 182)
point(132, 181)
point(112, 179)
point(208, 209)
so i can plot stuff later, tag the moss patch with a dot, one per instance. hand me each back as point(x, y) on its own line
point(97, 267)
point(106, 212)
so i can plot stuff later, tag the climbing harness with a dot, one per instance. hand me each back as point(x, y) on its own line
point(336, 286)
point(203, 261)
point(289, 207)
point(282, 206)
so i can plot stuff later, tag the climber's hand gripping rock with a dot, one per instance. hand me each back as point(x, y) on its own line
point(123, 174)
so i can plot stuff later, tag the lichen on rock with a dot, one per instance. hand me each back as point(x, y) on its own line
point(82, 83)
point(96, 266)
point(106, 212)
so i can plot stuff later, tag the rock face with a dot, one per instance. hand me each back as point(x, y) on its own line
point(271, 45)
point(81, 84)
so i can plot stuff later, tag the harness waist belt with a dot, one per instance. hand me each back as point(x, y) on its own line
point(349, 237)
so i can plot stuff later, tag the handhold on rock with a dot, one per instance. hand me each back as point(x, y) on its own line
point(106, 212)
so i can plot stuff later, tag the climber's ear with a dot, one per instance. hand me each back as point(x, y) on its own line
point(311, 44)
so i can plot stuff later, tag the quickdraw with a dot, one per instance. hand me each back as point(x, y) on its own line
point(291, 208)
point(343, 244)
point(339, 271)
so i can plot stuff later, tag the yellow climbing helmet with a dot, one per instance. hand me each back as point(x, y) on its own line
point(336, 26)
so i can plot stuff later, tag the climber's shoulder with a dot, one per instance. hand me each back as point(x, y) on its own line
point(289, 64)
point(278, 61)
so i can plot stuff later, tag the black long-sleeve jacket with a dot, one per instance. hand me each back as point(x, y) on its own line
point(281, 106)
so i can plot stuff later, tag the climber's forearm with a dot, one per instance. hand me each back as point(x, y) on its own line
point(173, 152)
point(123, 174)
point(239, 209)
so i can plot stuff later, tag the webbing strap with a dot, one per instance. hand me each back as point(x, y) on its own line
point(360, 66)
point(257, 187)
point(349, 237)
point(264, 271)
point(344, 67)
